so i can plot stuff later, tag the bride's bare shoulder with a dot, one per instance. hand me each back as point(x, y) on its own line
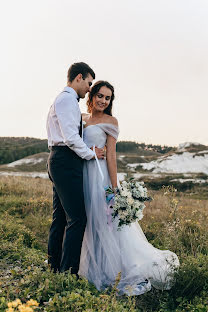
point(113, 120)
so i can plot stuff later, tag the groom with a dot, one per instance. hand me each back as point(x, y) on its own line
point(65, 165)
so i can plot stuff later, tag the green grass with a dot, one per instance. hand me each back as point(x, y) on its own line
point(173, 221)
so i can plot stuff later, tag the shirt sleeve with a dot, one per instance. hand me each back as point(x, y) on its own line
point(67, 112)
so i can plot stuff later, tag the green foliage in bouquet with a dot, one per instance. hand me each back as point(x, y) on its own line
point(128, 203)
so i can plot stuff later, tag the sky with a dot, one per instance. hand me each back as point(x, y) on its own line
point(154, 52)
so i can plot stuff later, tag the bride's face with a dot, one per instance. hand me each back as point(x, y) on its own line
point(101, 100)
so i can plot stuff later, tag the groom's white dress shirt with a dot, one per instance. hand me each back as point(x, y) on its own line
point(63, 124)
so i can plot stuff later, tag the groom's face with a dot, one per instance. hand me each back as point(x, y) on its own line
point(85, 86)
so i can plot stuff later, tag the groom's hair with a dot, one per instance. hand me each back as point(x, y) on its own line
point(79, 68)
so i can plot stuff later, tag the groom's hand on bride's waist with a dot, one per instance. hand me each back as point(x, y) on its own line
point(99, 152)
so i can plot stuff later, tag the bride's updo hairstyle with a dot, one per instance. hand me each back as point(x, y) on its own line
point(94, 90)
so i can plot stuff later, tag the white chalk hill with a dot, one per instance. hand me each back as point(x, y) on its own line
point(189, 158)
point(36, 162)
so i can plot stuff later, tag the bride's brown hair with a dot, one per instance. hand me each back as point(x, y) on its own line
point(94, 90)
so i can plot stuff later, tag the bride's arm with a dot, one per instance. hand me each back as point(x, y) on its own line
point(111, 160)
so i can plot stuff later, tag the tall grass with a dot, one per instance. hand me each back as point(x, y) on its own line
point(172, 221)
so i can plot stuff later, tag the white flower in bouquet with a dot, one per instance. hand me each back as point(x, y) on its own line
point(124, 213)
point(139, 214)
point(120, 202)
point(129, 202)
point(125, 193)
point(124, 183)
point(141, 190)
point(139, 183)
point(137, 193)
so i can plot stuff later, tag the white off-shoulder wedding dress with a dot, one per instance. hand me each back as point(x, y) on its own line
point(107, 251)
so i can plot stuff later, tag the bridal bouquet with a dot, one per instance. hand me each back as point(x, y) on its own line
point(128, 203)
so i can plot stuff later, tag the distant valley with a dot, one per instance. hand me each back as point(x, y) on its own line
point(183, 167)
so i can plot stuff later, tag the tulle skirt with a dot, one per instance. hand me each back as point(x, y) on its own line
point(106, 251)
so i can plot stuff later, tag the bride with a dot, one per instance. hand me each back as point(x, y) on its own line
point(105, 250)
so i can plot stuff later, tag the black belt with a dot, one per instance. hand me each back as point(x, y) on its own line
point(59, 147)
point(64, 150)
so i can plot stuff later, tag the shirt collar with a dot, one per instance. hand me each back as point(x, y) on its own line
point(72, 91)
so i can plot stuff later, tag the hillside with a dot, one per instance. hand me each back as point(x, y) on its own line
point(142, 148)
point(180, 163)
point(183, 167)
point(14, 148)
point(185, 159)
point(36, 162)
point(188, 158)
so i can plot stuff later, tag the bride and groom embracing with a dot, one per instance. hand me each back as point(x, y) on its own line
point(80, 239)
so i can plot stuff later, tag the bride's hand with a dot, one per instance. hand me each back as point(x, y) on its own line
point(99, 152)
point(115, 189)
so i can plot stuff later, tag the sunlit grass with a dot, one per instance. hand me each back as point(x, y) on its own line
point(173, 220)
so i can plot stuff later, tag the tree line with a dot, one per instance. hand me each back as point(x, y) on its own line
point(132, 147)
point(14, 148)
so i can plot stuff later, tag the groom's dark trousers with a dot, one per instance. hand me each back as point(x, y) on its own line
point(65, 170)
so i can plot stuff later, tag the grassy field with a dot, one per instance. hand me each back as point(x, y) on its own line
point(173, 220)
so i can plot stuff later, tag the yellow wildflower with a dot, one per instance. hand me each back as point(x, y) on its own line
point(14, 303)
point(28, 309)
point(22, 308)
point(10, 309)
point(18, 301)
point(175, 201)
point(32, 302)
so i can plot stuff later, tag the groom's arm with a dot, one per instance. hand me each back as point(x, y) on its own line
point(68, 115)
